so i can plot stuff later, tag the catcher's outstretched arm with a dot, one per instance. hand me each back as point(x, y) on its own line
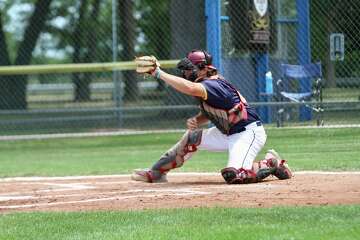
point(181, 84)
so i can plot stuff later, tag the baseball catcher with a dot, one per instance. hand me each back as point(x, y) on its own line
point(237, 127)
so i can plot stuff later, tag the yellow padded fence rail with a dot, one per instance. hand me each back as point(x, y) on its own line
point(78, 67)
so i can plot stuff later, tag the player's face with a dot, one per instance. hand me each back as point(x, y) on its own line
point(188, 74)
point(202, 73)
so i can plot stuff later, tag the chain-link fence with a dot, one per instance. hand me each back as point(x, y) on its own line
point(300, 32)
point(97, 31)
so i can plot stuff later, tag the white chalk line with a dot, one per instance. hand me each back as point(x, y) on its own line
point(33, 179)
point(64, 187)
point(82, 186)
point(10, 197)
point(180, 174)
point(27, 196)
point(70, 186)
point(326, 173)
point(189, 193)
point(13, 196)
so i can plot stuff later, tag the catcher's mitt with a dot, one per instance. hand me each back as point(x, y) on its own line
point(146, 64)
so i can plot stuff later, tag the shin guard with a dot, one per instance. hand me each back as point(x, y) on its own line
point(175, 156)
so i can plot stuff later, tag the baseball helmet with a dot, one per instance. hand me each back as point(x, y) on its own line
point(195, 60)
point(200, 58)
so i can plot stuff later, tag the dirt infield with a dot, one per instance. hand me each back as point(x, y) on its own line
point(118, 192)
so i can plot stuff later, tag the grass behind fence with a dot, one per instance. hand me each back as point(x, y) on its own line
point(305, 149)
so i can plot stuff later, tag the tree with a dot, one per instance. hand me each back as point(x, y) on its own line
point(4, 60)
point(155, 25)
point(78, 44)
point(330, 16)
point(84, 47)
point(13, 89)
point(188, 25)
point(188, 31)
point(127, 36)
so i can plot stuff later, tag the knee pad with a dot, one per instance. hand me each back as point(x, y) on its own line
point(193, 140)
point(238, 176)
point(174, 157)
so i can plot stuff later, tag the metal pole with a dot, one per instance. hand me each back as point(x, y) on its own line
point(213, 29)
point(303, 43)
point(117, 96)
point(262, 66)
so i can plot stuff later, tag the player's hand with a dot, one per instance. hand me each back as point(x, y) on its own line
point(192, 123)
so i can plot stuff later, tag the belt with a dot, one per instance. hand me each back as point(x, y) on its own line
point(251, 126)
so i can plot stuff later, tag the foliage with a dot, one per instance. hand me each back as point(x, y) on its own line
point(75, 34)
point(336, 16)
point(154, 22)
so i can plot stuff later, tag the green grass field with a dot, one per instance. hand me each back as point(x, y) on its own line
point(306, 149)
point(218, 223)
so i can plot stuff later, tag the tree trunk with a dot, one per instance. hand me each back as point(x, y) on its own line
point(78, 44)
point(85, 33)
point(90, 44)
point(188, 25)
point(188, 31)
point(127, 36)
point(161, 36)
point(5, 94)
point(5, 58)
point(32, 32)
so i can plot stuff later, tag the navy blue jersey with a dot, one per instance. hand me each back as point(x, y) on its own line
point(221, 94)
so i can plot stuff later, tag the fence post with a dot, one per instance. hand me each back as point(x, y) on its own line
point(262, 66)
point(303, 45)
point(117, 93)
point(213, 30)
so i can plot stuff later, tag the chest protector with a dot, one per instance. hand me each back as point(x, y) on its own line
point(223, 119)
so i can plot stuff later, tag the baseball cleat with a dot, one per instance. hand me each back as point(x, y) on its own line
point(282, 169)
point(146, 175)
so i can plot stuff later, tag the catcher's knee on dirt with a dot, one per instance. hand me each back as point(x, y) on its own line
point(175, 156)
point(238, 176)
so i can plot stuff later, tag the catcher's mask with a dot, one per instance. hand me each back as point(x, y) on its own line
point(195, 61)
